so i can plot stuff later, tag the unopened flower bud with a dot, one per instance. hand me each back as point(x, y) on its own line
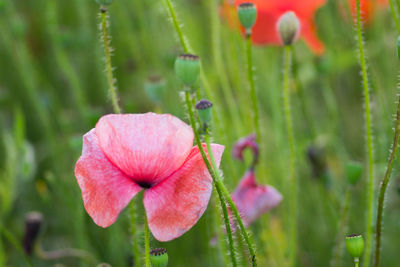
point(155, 87)
point(247, 13)
point(187, 68)
point(204, 109)
point(104, 2)
point(159, 257)
point(288, 27)
point(33, 223)
point(354, 172)
point(355, 245)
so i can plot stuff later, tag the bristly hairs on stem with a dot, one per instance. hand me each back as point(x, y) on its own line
point(369, 136)
point(106, 40)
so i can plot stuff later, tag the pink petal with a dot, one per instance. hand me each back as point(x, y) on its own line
point(253, 200)
point(243, 143)
point(147, 147)
point(176, 204)
point(106, 191)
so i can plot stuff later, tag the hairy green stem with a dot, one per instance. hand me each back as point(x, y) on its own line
point(222, 202)
point(135, 245)
point(384, 185)
point(218, 182)
point(292, 155)
point(177, 27)
point(368, 126)
point(253, 93)
point(107, 52)
point(146, 241)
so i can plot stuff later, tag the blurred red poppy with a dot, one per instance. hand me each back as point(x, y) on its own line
point(268, 13)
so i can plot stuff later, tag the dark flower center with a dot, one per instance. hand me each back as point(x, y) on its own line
point(145, 185)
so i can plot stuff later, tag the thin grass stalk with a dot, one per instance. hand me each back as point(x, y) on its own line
point(368, 126)
point(395, 14)
point(218, 182)
point(62, 59)
point(383, 188)
point(221, 69)
point(292, 155)
point(13, 240)
point(342, 224)
point(253, 93)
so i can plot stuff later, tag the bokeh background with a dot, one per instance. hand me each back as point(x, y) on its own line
point(53, 90)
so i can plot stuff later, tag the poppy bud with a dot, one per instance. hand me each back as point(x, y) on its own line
point(204, 109)
point(159, 257)
point(247, 13)
point(353, 172)
point(355, 245)
point(33, 223)
point(104, 2)
point(398, 47)
point(155, 87)
point(288, 27)
point(187, 68)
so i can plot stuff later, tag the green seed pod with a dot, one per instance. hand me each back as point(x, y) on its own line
point(159, 257)
point(247, 13)
point(154, 88)
point(187, 68)
point(288, 27)
point(104, 2)
point(398, 47)
point(204, 109)
point(354, 172)
point(355, 245)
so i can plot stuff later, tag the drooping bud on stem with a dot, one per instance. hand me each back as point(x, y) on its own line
point(247, 13)
point(354, 172)
point(355, 245)
point(288, 27)
point(159, 257)
point(155, 87)
point(204, 109)
point(187, 68)
point(33, 223)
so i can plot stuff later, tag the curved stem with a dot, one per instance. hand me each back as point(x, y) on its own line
point(218, 181)
point(253, 93)
point(292, 155)
point(107, 52)
point(384, 185)
point(222, 202)
point(368, 122)
point(146, 241)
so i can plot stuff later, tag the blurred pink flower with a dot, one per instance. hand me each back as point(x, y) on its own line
point(243, 143)
point(126, 153)
point(253, 200)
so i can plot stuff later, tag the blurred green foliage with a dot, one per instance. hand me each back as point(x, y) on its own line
point(53, 90)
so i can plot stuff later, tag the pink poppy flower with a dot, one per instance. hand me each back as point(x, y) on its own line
point(253, 200)
point(126, 153)
point(243, 143)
